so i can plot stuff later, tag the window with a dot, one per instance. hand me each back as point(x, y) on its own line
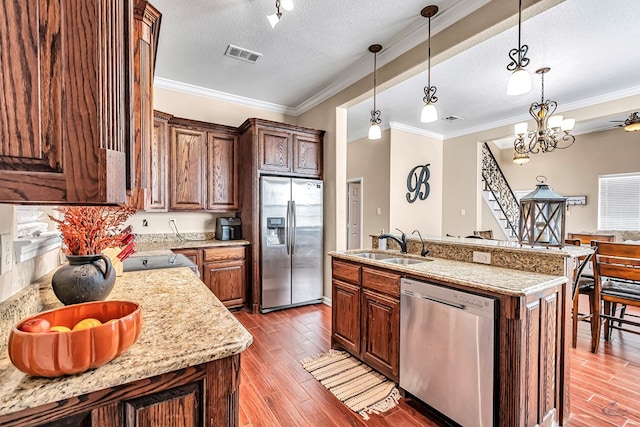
point(619, 202)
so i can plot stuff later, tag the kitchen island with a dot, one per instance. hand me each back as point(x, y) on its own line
point(531, 323)
point(183, 370)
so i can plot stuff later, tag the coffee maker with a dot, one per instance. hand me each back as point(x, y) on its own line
point(228, 228)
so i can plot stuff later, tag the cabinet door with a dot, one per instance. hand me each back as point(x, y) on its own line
point(307, 155)
point(274, 150)
point(64, 127)
point(345, 325)
point(176, 407)
point(222, 173)
point(381, 333)
point(158, 170)
point(187, 168)
point(227, 280)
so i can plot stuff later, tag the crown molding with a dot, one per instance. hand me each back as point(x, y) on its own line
point(162, 83)
point(416, 131)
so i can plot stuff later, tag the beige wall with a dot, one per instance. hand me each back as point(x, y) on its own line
point(575, 170)
point(407, 151)
point(369, 160)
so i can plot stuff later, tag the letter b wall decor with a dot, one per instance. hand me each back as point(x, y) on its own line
point(418, 183)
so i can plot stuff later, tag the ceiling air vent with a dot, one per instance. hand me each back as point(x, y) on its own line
point(453, 118)
point(243, 54)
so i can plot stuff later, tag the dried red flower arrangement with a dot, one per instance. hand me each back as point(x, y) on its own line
point(88, 230)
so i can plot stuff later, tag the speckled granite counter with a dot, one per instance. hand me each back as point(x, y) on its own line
point(184, 325)
point(149, 248)
point(478, 276)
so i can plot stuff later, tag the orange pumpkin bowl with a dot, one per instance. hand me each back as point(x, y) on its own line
point(53, 354)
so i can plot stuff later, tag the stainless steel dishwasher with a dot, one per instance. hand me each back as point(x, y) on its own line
point(447, 345)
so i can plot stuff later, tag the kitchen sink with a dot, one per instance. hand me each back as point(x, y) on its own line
point(374, 255)
point(404, 261)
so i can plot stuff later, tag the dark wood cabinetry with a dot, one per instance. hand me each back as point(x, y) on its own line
point(223, 270)
point(66, 91)
point(366, 315)
point(205, 394)
point(203, 166)
point(146, 28)
point(158, 194)
point(271, 148)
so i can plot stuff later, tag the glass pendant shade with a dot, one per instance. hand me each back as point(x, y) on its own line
point(429, 113)
point(521, 128)
point(520, 159)
point(519, 82)
point(568, 124)
point(555, 121)
point(287, 4)
point(375, 132)
point(273, 20)
point(632, 127)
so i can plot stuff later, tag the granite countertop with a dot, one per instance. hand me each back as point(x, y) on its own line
point(477, 276)
point(149, 248)
point(184, 324)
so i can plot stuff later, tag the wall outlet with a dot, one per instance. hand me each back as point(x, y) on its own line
point(482, 257)
point(6, 253)
point(463, 212)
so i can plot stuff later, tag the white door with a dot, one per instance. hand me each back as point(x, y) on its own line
point(354, 202)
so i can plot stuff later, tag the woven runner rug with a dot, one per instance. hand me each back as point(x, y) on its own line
point(355, 384)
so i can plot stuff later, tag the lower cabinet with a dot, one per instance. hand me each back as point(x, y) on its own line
point(200, 395)
point(366, 315)
point(223, 270)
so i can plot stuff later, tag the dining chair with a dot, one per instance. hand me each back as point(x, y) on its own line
point(616, 271)
point(581, 286)
point(586, 239)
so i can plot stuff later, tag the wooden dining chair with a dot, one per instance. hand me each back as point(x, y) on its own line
point(586, 239)
point(616, 268)
point(581, 286)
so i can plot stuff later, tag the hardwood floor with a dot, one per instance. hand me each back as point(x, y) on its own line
point(276, 391)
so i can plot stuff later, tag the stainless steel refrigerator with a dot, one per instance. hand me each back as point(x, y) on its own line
point(291, 242)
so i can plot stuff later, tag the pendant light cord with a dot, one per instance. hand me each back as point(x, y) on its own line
point(519, 32)
point(375, 67)
point(429, 59)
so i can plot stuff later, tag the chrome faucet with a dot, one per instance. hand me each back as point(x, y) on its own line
point(402, 241)
point(424, 251)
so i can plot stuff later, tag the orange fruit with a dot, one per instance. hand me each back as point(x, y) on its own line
point(59, 328)
point(87, 323)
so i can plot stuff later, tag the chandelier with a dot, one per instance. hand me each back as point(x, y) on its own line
point(275, 18)
point(553, 132)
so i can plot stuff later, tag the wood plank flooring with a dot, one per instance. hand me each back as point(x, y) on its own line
point(276, 391)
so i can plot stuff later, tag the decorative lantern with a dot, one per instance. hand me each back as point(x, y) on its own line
point(542, 217)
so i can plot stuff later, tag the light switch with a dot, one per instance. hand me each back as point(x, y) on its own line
point(378, 211)
point(463, 212)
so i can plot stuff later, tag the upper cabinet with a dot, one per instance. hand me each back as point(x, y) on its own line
point(285, 149)
point(146, 29)
point(204, 166)
point(65, 81)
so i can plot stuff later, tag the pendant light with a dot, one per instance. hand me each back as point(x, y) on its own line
point(374, 130)
point(520, 80)
point(429, 113)
point(275, 18)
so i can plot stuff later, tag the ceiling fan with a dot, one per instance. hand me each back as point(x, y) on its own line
point(632, 123)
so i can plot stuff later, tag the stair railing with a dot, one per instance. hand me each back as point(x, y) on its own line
point(496, 183)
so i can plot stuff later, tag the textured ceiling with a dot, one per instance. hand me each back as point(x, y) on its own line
point(321, 47)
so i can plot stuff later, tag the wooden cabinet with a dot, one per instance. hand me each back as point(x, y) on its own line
point(203, 166)
point(366, 315)
point(146, 28)
point(158, 194)
point(201, 395)
point(286, 149)
point(187, 168)
point(66, 91)
point(224, 272)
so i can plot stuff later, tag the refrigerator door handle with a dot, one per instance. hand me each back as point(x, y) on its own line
point(288, 229)
point(294, 225)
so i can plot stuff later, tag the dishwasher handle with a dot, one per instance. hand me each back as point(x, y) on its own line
point(436, 300)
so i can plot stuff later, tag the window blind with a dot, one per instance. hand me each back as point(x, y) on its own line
point(619, 202)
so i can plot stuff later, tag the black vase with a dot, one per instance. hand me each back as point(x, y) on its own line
point(85, 278)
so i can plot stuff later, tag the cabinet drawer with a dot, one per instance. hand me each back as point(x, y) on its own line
point(381, 281)
point(224, 253)
point(346, 271)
